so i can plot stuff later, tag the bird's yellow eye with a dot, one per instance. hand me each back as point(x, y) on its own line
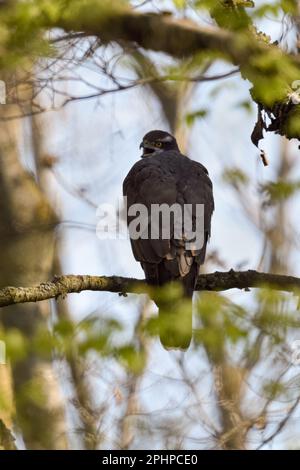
point(158, 144)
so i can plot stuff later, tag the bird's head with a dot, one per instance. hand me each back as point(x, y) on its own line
point(155, 142)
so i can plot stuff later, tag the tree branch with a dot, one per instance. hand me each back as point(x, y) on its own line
point(217, 281)
point(271, 71)
point(264, 64)
point(116, 22)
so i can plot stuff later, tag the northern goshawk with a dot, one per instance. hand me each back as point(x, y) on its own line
point(165, 176)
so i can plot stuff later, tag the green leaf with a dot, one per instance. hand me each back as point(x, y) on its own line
point(276, 191)
point(199, 114)
point(133, 359)
point(17, 345)
point(235, 177)
point(180, 4)
point(246, 105)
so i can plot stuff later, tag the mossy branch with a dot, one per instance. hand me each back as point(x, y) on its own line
point(68, 284)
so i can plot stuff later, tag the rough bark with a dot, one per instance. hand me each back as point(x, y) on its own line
point(7, 441)
point(217, 281)
point(27, 238)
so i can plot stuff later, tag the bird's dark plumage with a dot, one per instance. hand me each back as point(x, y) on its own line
point(165, 176)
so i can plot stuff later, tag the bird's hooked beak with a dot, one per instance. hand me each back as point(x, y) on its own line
point(147, 149)
point(142, 146)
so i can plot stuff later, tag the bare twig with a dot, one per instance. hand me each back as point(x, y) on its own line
point(99, 92)
point(281, 424)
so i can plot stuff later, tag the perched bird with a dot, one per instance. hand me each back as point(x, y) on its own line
point(165, 176)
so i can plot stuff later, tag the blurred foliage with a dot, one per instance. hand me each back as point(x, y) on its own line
point(270, 9)
point(227, 332)
point(17, 344)
point(23, 24)
point(276, 191)
point(192, 117)
point(270, 71)
point(236, 177)
point(246, 105)
point(221, 321)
